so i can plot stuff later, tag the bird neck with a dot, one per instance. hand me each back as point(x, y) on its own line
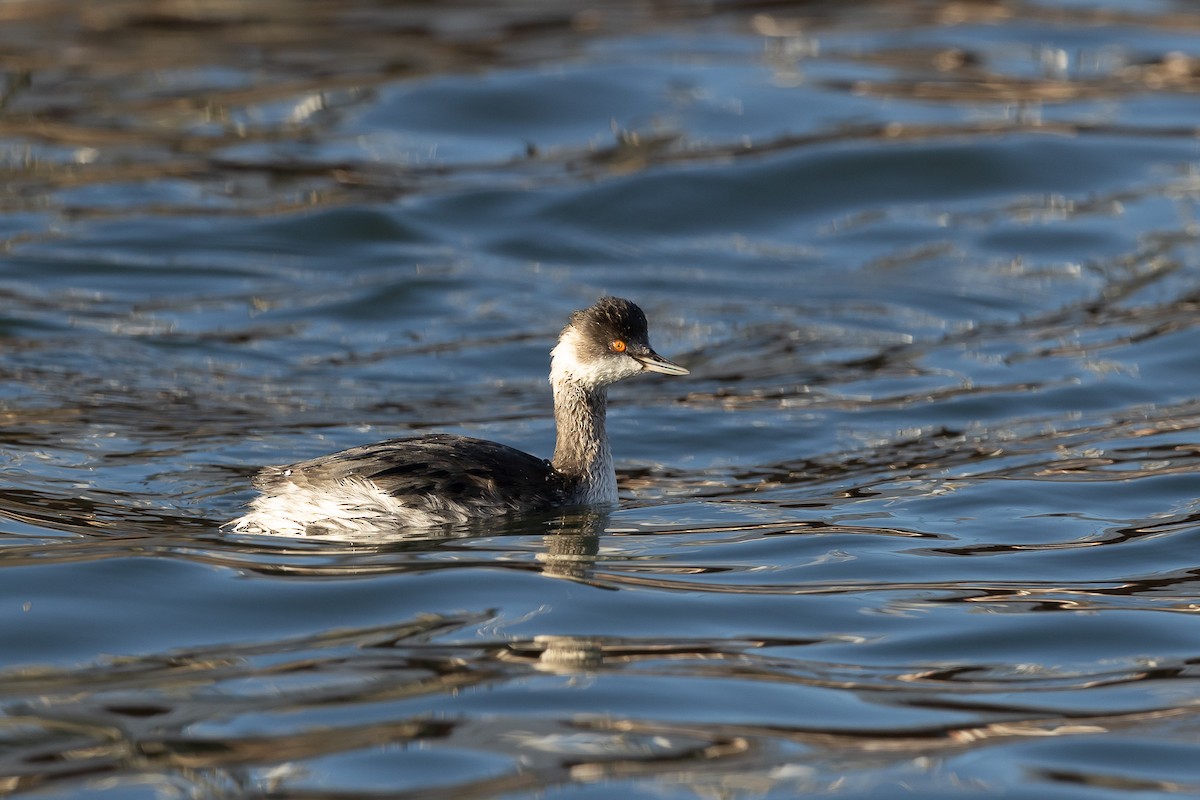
point(581, 450)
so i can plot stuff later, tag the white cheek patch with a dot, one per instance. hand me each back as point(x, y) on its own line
point(566, 364)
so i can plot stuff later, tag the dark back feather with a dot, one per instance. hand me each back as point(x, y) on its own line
point(422, 469)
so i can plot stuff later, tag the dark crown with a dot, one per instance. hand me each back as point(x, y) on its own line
point(612, 318)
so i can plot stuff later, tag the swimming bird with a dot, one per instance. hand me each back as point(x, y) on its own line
point(432, 480)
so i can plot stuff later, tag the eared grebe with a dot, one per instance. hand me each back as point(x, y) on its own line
point(433, 480)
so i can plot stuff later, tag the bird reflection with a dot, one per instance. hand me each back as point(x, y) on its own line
point(572, 550)
point(568, 547)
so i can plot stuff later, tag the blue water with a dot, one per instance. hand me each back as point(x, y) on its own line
point(920, 521)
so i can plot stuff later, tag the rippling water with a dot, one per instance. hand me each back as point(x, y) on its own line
point(921, 520)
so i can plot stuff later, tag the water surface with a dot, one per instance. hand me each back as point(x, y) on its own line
point(921, 520)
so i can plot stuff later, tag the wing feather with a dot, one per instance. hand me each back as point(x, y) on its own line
point(425, 470)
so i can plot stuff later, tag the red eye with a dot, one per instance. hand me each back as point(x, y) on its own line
point(618, 346)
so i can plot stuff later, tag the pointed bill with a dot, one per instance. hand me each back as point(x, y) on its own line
point(653, 362)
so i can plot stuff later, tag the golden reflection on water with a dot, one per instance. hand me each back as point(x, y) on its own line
point(143, 92)
point(151, 734)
